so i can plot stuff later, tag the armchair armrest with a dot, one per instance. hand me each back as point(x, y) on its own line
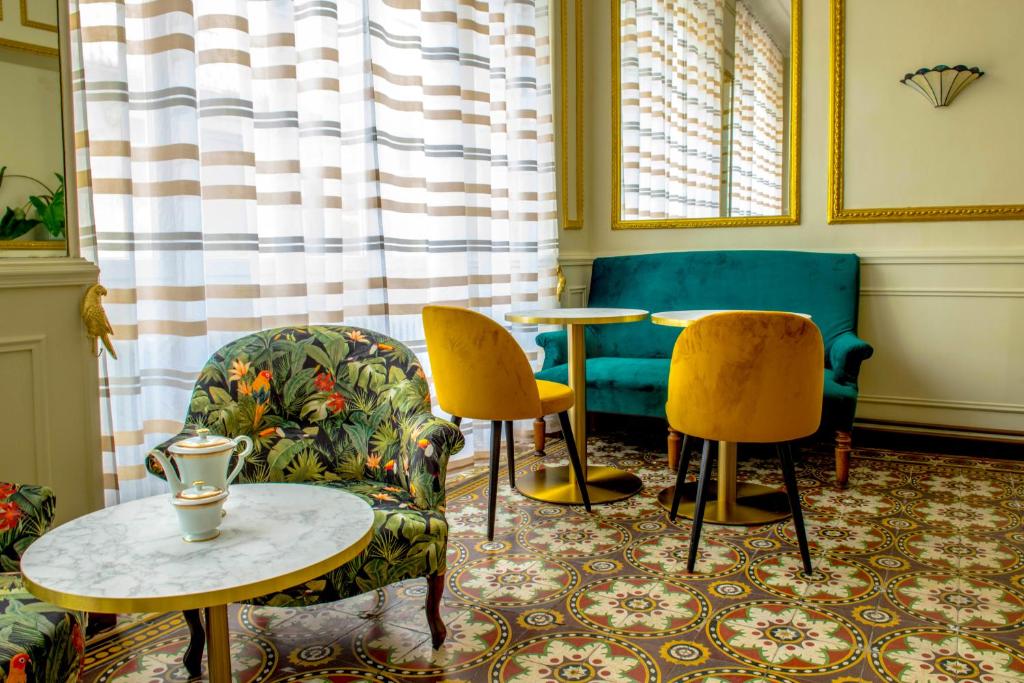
point(26, 512)
point(556, 347)
point(427, 442)
point(846, 354)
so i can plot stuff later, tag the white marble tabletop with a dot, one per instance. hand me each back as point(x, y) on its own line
point(577, 316)
point(684, 318)
point(132, 558)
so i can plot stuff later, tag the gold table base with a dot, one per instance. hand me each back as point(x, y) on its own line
point(754, 504)
point(555, 485)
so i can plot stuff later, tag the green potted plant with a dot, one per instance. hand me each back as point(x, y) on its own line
point(45, 209)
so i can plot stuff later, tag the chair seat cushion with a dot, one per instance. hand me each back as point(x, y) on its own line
point(408, 542)
point(46, 641)
point(554, 397)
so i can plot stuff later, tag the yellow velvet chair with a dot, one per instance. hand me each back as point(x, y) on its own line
point(747, 377)
point(481, 373)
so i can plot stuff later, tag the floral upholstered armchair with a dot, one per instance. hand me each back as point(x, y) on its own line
point(39, 642)
point(348, 408)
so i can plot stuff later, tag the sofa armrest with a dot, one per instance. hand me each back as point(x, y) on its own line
point(556, 348)
point(846, 354)
point(427, 442)
point(26, 512)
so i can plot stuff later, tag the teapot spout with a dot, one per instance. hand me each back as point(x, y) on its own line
point(169, 472)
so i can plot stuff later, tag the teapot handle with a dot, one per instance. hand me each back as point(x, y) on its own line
point(241, 456)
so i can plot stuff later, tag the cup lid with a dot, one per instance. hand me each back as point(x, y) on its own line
point(202, 442)
point(200, 492)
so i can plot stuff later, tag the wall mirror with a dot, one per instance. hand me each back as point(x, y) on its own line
point(705, 113)
point(33, 208)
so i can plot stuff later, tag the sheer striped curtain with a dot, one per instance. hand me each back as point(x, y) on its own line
point(671, 108)
point(245, 164)
point(758, 102)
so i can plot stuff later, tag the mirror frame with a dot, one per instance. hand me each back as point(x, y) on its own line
point(792, 217)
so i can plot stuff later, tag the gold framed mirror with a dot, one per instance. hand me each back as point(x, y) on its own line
point(705, 113)
point(34, 212)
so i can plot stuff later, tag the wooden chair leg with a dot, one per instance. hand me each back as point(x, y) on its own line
point(684, 465)
point(843, 441)
point(492, 489)
point(197, 641)
point(703, 487)
point(456, 420)
point(789, 476)
point(539, 437)
point(510, 444)
point(673, 449)
point(435, 589)
point(574, 458)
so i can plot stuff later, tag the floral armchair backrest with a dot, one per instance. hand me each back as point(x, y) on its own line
point(320, 402)
point(26, 512)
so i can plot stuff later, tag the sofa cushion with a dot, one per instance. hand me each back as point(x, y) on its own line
point(823, 285)
point(626, 386)
point(45, 641)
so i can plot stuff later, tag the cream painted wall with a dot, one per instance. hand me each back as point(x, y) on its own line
point(30, 125)
point(942, 302)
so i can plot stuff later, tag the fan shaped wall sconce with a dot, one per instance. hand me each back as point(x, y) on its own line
point(941, 85)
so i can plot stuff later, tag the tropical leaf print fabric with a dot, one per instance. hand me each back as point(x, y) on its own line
point(346, 407)
point(39, 642)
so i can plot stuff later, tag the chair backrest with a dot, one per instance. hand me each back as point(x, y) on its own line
point(824, 285)
point(480, 371)
point(747, 376)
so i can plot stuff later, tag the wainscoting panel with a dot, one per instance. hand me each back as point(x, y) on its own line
point(24, 421)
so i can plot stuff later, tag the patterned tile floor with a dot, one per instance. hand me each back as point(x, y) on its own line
point(919, 577)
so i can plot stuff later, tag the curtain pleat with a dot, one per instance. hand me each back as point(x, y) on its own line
point(758, 124)
point(246, 164)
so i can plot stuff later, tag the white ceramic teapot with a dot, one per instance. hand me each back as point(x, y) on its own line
point(204, 457)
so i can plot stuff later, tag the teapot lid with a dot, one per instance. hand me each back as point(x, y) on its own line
point(202, 442)
point(200, 492)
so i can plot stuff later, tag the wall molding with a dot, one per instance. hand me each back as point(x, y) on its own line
point(867, 258)
point(35, 345)
point(988, 293)
point(983, 406)
point(47, 272)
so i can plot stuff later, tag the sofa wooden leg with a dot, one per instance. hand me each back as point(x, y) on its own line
point(538, 435)
point(843, 440)
point(674, 442)
point(435, 589)
point(197, 641)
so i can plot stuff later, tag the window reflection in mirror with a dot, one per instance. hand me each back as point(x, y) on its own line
point(32, 208)
point(704, 108)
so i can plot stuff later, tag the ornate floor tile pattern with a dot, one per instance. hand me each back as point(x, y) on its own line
point(918, 578)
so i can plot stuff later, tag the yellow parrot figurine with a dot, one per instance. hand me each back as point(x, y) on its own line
point(97, 326)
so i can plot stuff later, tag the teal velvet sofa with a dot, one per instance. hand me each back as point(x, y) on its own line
point(628, 364)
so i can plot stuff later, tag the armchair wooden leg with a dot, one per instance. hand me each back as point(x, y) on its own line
point(197, 641)
point(510, 445)
point(843, 441)
point(539, 437)
point(673, 449)
point(703, 488)
point(435, 589)
point(492, 489)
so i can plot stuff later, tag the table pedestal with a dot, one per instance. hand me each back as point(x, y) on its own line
point(558, 484)
point(218, 644)
point(734, 503)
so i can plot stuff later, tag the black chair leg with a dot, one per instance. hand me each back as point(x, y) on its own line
point(703, 487)
point(789, 476)
point(684, 464)
point(456, 420)
point(492, 490)
point(197, 641)
point(574, 457)
point(510, 444)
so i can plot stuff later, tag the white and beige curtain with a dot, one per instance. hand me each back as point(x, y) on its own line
point(758, 123)
point(245, 164)
point(671, 68)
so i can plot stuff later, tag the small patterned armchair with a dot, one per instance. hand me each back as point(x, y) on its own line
point(343, 407)
point(39, 642)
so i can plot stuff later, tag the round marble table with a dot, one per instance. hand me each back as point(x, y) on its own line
point(558, 484)
point(735, 502)
point(132, 558)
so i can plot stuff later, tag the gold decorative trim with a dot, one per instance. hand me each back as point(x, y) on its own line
point(30, 23)
point(34, 245)
point(568, 222)
point(837, 213)
point(791, 218)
